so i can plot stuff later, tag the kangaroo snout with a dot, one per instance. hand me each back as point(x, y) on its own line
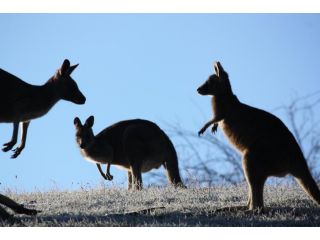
point(202, 90)
point(81, 99)
point(199, 90)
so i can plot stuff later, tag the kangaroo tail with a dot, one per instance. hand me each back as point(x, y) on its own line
point(307, 182)
point(172, 166)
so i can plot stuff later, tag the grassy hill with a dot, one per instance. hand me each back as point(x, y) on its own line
point(285, 206)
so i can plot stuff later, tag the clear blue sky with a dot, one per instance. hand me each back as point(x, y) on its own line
point(145, 66)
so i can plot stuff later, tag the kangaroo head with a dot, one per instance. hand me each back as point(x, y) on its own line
point(68, 88)
point(217, 84)
point(84, 133)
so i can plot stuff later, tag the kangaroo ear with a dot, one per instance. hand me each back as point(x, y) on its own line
point(73, 67)
point(90, 121)
point(218, 68)
point(64, 67)
point(77, 122)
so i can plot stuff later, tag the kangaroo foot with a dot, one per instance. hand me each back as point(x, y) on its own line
point(179, 185)
point(17, 152)
point(8, 146)
point(27, 211)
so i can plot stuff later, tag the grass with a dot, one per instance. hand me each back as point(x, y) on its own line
point(285, 206)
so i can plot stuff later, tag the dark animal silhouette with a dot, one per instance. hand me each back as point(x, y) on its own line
point(15, 207)
point(268, 148)
point(21, 102)
point(135, 145)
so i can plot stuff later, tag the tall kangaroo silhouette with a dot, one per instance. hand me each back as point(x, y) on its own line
point(267, 146)
point(21, 102)
point(135, 145)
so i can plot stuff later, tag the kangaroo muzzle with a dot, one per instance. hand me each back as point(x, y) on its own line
point(202, 90)
point(80, 99)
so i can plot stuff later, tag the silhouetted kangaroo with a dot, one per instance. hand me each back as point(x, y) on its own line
point(268, 148)
point(15, 207)
point(22, 102)
point(136, 145)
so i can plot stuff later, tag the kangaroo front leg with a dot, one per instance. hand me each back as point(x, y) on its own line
point(108, 175)
point(19, 149)
point(204, 128)
point(208, 124)
point(9, 145)
point(101, 172)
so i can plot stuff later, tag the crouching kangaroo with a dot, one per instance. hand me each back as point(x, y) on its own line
point(136, 145)
point(15, 207)
point(268, 148)
point(21, 102)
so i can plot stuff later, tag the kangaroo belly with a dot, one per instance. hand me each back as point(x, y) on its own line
point(95, 159)
point(21, 113)
point(150, 164)
point(232, 136)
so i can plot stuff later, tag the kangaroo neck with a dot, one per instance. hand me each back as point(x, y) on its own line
point(222, 105)
point(98, 151)
point(49, 93)
point(53, 89)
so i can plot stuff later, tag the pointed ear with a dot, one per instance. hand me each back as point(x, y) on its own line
point(218, 68)
point(77, 122)
point(64, 67)
point(73, 67)
point(90, 121)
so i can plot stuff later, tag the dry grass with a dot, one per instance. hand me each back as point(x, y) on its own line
point(285, 206)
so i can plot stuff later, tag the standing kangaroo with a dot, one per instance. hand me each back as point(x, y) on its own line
point(21, 102)
point(136, 145)
point(268, 148)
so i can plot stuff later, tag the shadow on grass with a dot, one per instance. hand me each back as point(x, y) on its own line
point(280, 216)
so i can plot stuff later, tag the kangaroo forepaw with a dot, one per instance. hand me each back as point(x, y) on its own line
point(8, 146)
point(202, 130)
point(109, 177)
point(17, 152)
point(214, 128)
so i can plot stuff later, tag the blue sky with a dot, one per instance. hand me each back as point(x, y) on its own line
point(146, 66)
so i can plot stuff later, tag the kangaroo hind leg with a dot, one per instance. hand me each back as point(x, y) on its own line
point(9, 145)
point(255, 178)
point(136, 177)
point(15, 207)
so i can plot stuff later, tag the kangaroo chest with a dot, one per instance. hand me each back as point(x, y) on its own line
point(239, 135)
